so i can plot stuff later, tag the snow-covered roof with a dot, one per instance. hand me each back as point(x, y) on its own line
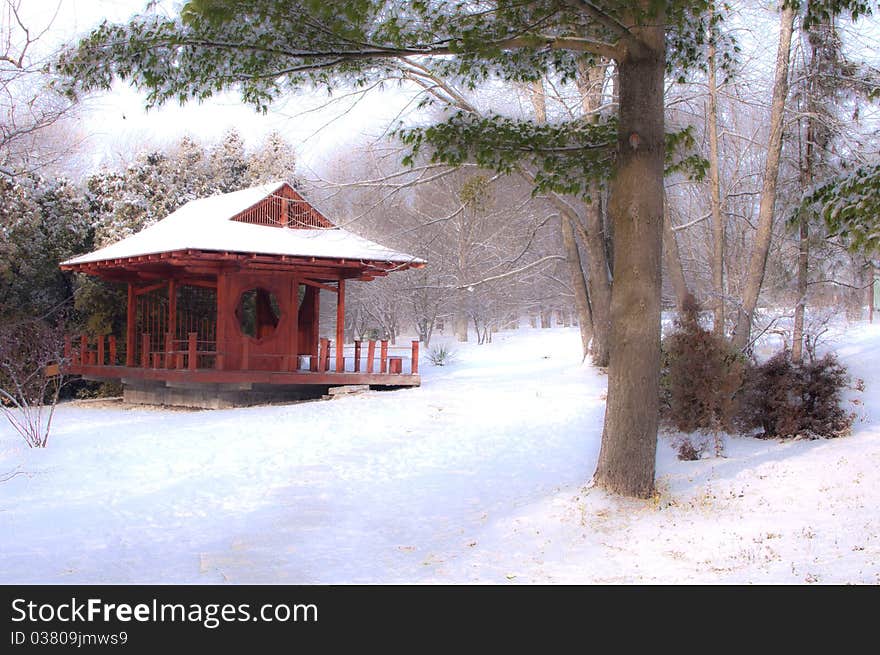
point(206, 224)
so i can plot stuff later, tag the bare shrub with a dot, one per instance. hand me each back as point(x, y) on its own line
point(786, 399)
point(688, 450)
point(31, 353)
point(701, 377)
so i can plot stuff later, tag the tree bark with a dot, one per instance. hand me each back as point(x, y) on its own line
point(715, 196)
point(758, 260)
point(629, 440)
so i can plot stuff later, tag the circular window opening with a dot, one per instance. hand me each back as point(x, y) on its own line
point(258, 313)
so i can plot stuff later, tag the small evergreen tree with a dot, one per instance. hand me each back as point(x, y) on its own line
point(229, 168)
point(273, 160)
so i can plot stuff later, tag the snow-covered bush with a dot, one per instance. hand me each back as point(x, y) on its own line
point(441, 355)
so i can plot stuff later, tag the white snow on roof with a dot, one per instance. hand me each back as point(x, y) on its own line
point(206, 224)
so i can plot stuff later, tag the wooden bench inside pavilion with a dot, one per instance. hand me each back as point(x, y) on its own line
point(224, 305)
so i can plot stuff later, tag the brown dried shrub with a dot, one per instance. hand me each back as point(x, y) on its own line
point(701, 377)
point(785, 399)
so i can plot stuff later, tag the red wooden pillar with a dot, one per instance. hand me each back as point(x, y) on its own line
point(371, 354)
point(100, 360)
point(84, 349)
point(316, 310)
point(130, 318)
point(192, 354)
point(172, 307)
point(293, 337)
point(112, 340)
point(172, 323)
point(309, 340)
point(324, 357)
point(340, 327)
point(415, 357)
point(383, 357)
point(145, 350)
point(222, 302)
point(169, 349)
point(357, 356)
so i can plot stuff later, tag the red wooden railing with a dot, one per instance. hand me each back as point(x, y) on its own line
point(195, 354)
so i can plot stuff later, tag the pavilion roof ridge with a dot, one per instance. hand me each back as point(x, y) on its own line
point(208, 224)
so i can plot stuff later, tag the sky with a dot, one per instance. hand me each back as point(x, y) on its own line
point(116, 123)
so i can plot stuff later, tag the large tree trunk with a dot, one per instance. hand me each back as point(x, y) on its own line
point(758, 259)
point(629, 441)
point(715, 197)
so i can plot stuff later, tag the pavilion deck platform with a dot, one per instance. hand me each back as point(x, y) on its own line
point(195, 377)
point(213, 376)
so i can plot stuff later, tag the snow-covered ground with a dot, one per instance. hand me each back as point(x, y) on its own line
point(477, 476)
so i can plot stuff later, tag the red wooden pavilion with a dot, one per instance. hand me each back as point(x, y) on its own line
point(223, 304)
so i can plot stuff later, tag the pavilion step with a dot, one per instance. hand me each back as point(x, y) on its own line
point(346, 390)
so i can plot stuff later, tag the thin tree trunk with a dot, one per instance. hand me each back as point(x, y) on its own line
point(803, 261)
point(871, 307)
point(673, 261)
point(460, 326)
point(599, 277)
point(572, 255)
point(590, 80)
point(629, 440)
point(578, 285)
point(715, 195)
point(758, 260)
point(797, 333)
point(808, 166)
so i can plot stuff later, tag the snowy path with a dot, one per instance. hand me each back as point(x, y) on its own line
point(383, 487)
